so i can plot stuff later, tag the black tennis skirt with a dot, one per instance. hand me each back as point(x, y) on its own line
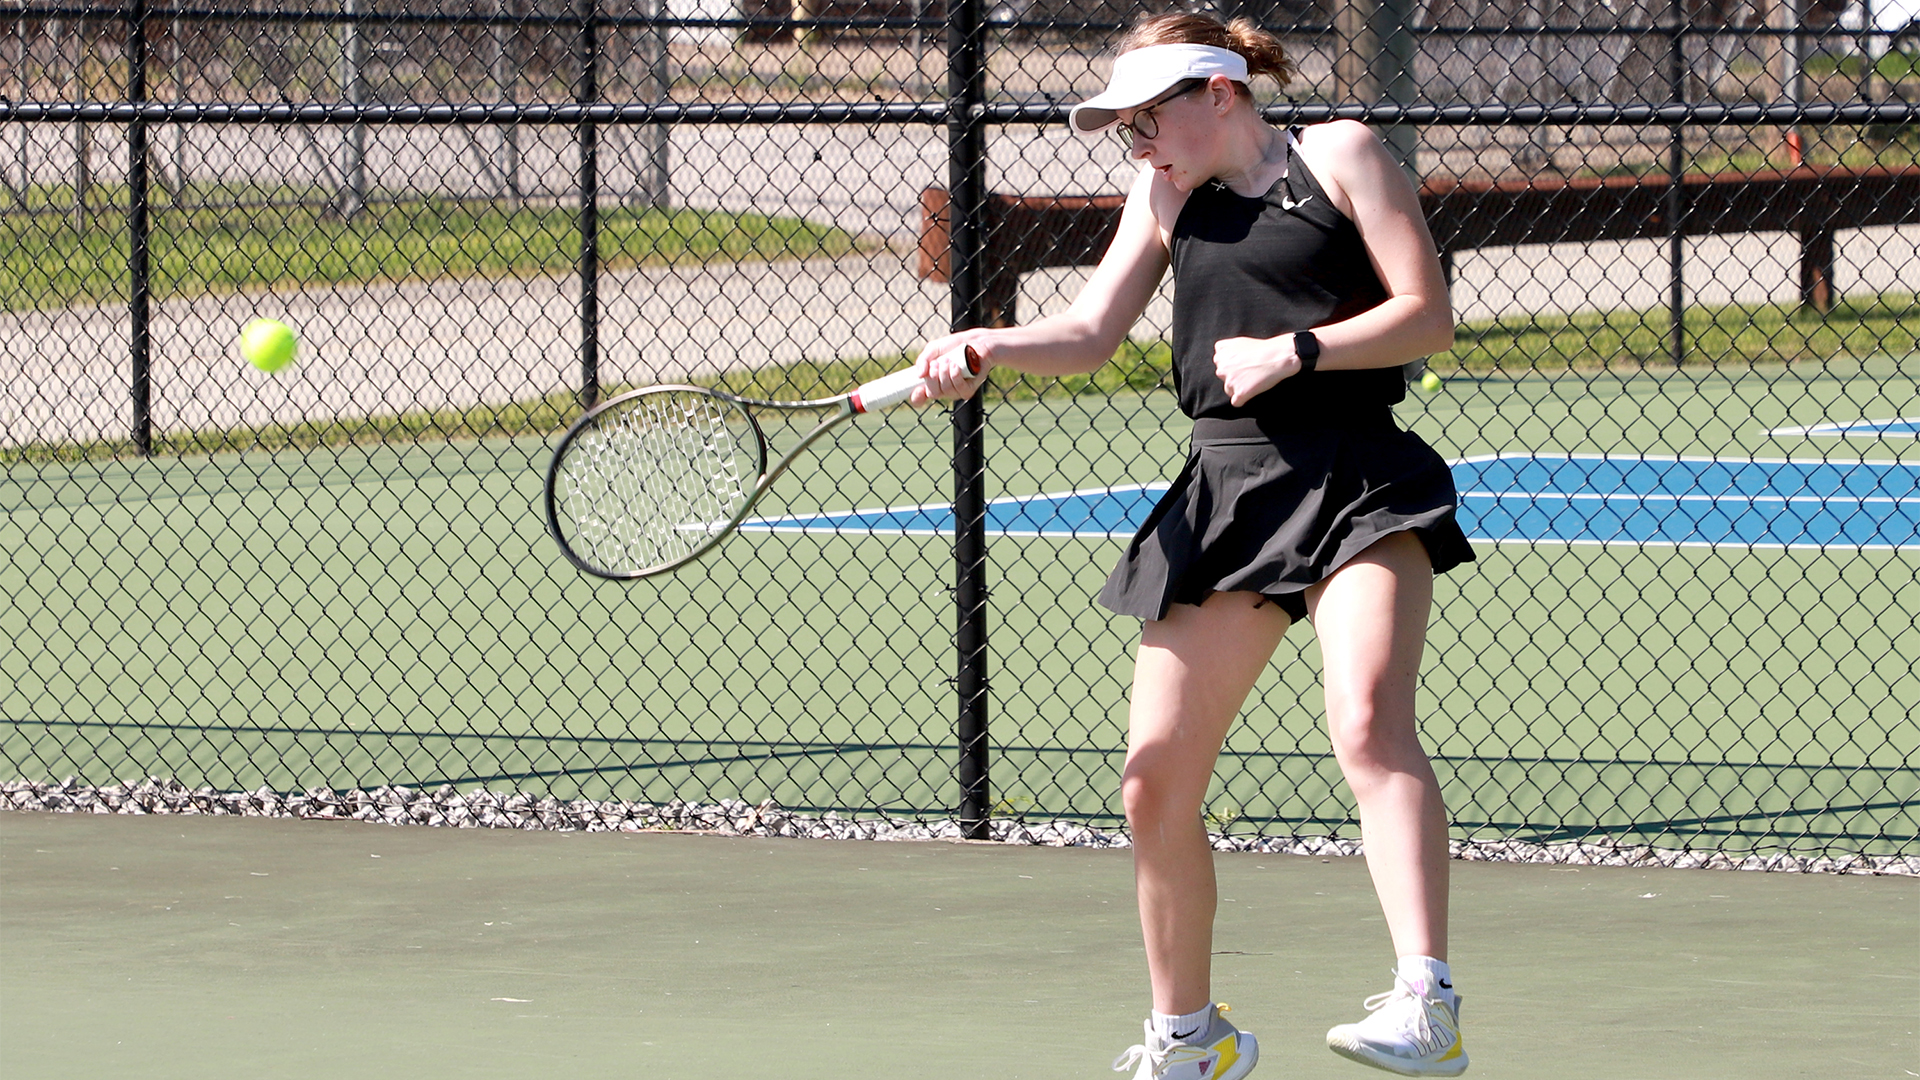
point(1274, 508)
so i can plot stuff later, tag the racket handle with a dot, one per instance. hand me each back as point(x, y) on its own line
point(885, 391)
point(889, 390)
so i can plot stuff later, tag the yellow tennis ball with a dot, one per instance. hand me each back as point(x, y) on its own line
point(1429, 382)
point(267, 344)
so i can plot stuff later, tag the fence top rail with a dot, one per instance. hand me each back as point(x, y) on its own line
point(321, 16)
point(935, 112)
point(478, 113)
point(335, 16)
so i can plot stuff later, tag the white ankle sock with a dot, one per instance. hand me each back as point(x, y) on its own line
point(1191, 1025)
point(1433, 974)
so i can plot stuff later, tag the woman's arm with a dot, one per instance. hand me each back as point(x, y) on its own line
point(1416, 319)
point(1088, 333)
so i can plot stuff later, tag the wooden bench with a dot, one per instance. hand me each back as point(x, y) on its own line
point(1028, 232)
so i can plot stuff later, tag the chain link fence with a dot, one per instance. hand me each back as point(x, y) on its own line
point(1682, 237)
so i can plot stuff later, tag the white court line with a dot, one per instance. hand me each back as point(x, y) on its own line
point(1524, 455)
point(1876, 428)
point(1533, 542)
point(1822, 500)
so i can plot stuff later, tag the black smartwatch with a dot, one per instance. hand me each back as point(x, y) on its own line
point(1308, 348)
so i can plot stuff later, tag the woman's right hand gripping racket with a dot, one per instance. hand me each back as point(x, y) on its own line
point(646, 482)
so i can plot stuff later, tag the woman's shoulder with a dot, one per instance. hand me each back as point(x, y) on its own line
point(1347, 158)
point(1337, 136)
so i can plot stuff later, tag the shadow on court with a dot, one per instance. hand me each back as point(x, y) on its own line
point(213, 947)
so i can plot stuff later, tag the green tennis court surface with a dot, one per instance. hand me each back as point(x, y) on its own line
point(260, 598)
point(201, 947)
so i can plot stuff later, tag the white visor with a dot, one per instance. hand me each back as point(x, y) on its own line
point(1141, 75)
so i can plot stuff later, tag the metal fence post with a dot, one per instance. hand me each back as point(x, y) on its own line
point(174, 180)
point(506, 85)
point(658, 87)
point(82, 131)
point(25, 92)
point(353, 168)
point(1374, 66)
point(966, 179)
point(589, 221)
point(1394, 77)
point(140, 292)
point(1676, 195)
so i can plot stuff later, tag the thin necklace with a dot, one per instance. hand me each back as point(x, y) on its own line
point(1278, 141)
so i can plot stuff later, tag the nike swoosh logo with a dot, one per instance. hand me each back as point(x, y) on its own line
point(1288, 204)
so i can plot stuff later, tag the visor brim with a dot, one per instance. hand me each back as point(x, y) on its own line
point(1102, 110)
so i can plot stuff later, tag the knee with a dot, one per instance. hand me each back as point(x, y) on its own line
point(1369, 739)
point(1153, 794)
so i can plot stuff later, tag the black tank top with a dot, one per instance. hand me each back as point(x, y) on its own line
point(1284, 262)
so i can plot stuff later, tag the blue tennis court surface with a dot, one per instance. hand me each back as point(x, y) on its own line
point(1531, 498)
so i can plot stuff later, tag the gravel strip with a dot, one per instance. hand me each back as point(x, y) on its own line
point(449, 808)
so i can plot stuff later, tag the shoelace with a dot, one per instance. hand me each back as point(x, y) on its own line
point(1417, 1027)
point(1139, 1052)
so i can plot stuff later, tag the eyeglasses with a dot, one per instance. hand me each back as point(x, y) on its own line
point(1145, 125)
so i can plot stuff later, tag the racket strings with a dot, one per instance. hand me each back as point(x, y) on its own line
point(653, 482)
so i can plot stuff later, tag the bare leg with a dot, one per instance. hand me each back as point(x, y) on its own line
point(1371, 620)
point(1194, 671)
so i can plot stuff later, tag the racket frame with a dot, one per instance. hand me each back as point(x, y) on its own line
point(844, 409)
point(881, 393)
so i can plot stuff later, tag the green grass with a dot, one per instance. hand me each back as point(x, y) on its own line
point(1730, 335)
point(1895, 66)
point(1849, 147)
point(47, 261)
point(536, 416)
point(1737, 335)
point(1889, 146)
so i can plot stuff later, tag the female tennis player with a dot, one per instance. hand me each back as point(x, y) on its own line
point(1304, 278)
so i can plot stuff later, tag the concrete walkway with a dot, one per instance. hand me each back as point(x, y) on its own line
point(391, 349)
point(370, 350)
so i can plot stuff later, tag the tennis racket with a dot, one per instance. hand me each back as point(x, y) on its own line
point(647, 482)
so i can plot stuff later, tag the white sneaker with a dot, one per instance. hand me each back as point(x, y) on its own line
point(1413, 1031)
point(1223, 1052)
